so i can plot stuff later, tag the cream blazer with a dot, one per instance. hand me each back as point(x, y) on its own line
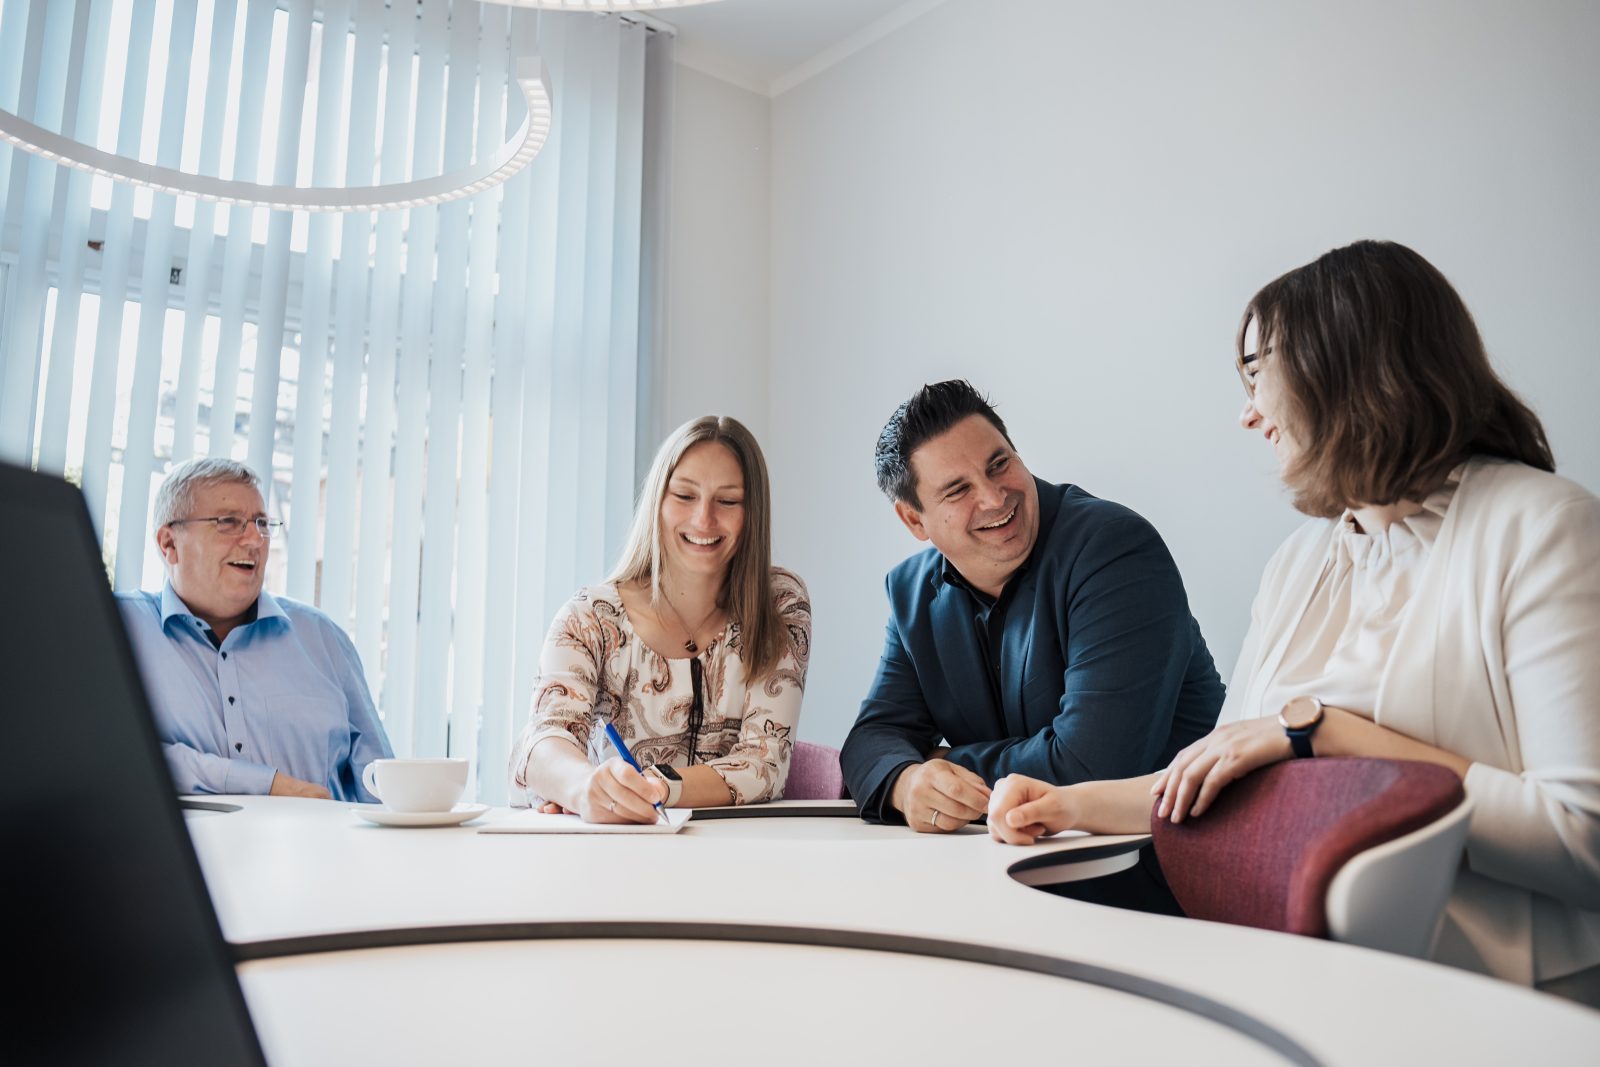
point(1497, 660)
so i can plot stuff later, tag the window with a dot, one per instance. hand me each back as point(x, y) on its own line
point(458, 391)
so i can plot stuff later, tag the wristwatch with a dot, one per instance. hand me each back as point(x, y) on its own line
point(674, 783)
point(1300, 718)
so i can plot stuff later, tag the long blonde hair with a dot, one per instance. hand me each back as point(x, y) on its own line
point(747, 589)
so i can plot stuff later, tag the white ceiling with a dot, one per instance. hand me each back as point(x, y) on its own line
point(768, 46)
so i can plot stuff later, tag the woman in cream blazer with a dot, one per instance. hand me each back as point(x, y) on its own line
point(1496, 661)
point(1443, 604)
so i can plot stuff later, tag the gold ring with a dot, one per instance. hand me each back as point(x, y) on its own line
point(935, 819)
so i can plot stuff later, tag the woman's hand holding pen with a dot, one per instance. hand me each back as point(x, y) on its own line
point(616, 792)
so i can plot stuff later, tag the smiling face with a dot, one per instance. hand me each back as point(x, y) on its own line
point(979, 504)
point(218, 577)
point(1265, 407)
point(703, 510)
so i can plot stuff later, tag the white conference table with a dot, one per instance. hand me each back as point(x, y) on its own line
point(793, 936)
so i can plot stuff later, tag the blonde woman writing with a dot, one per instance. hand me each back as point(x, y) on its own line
point(694, 649)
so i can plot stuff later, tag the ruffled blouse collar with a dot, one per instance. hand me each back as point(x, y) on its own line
point(1402, 538)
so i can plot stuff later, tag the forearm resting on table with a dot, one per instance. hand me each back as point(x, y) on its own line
point(1120, 806)
point(703, 787)
point(1024, 808)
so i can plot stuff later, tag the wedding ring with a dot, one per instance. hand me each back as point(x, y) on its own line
point(935, 819)
point(611, 806)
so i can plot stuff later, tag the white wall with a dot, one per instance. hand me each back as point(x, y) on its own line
point(1070, 203)
point(718, 255)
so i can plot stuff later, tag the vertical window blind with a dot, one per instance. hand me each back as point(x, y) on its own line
point(443, 401)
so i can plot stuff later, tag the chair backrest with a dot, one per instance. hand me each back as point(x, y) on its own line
point(814, 774)
point(1270, 850)
point(1391, 897)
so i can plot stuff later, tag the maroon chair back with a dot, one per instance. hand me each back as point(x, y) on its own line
point(1264, 853)
point(814, 774)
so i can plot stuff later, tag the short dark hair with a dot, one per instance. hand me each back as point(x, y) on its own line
point(1387, 381)
point(931, 411)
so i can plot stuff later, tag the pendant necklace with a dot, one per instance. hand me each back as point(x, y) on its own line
point(689, 645)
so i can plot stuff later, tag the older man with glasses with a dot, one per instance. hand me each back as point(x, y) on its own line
point(252, 693)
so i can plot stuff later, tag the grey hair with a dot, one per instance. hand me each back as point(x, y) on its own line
point(175, 498)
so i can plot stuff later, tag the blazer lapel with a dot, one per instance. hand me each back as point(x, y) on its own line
point(1284, 623)
point(1016, 647)
point(1407, 692)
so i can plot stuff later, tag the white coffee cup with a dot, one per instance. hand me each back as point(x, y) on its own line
point(416, 784)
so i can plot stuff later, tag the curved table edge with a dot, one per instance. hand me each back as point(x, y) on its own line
point(961, 951)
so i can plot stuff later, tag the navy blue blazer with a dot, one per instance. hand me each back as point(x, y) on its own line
point(1103, 671)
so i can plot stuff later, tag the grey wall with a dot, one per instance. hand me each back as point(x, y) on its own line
point(718, 254)
point(1070, 204)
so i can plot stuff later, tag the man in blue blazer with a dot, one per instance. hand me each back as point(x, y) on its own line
point(1046, 632)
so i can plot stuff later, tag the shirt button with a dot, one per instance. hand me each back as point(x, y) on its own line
point(224, 655)
point(230, 700)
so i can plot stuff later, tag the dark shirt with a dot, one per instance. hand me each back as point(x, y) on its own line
point(989, 618)
point(1087, 666)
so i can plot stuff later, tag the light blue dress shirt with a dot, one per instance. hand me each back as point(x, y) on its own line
point(283, 693)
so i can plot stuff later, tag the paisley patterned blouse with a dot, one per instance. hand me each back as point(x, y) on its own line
point(594, 669)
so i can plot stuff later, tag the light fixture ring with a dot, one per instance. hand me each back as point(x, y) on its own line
point(511, 157)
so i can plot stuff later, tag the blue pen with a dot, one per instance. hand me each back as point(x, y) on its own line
point(622, 750)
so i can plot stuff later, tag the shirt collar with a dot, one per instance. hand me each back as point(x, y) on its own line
point(172, 606)
point(268, 608)
point(948, 575)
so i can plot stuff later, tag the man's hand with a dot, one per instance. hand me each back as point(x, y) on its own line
point(615, 792)
point(938, 796)
point(285, 786)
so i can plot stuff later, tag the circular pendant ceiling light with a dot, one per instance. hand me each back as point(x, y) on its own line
point(511, 157)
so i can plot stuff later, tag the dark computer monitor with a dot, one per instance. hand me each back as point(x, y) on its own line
point(113, 942)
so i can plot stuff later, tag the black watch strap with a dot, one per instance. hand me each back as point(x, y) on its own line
point(1298, 726)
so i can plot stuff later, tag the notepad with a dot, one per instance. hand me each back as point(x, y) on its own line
point(537, 822)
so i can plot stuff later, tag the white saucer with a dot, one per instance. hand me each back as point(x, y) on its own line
point(454, 817)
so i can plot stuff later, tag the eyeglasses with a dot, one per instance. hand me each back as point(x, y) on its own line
point(1248, 369)
point(233, 525)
